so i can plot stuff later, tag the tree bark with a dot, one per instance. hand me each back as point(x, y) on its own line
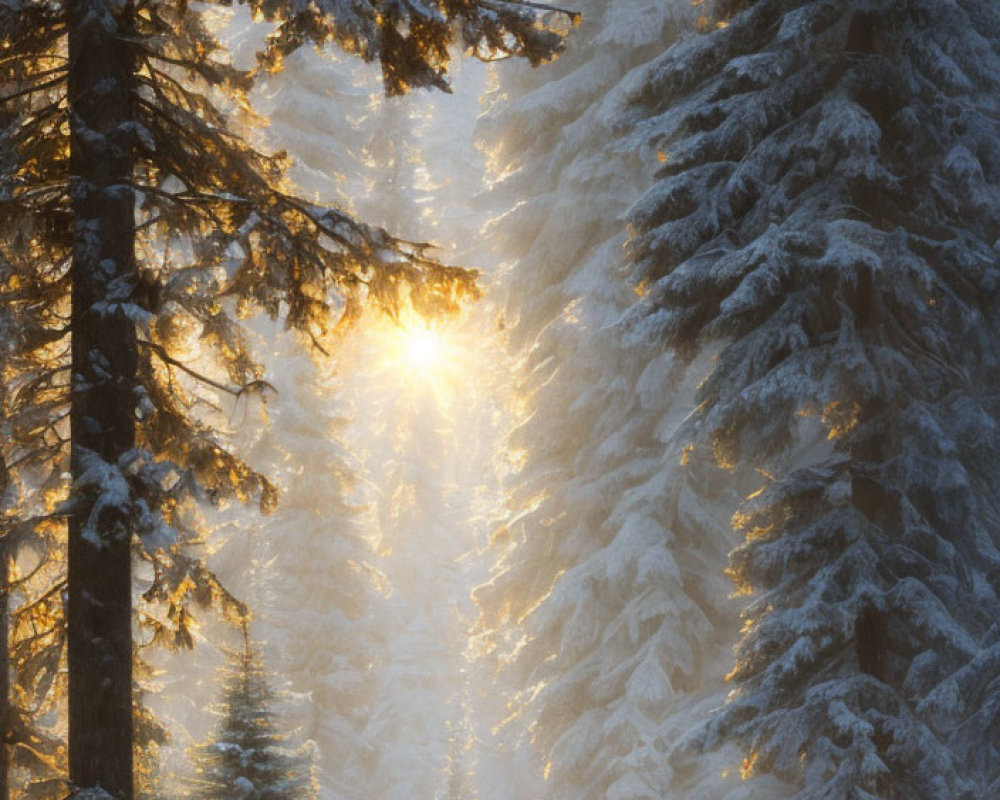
point(6, 717)
point(102, 411)
point(5, 709)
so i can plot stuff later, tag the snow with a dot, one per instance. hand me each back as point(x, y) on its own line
point(109, 488)
point(754, 256)
point(726, 503)
point(92, 793)
point(600, 559)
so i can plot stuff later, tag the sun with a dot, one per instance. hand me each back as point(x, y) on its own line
point(422, 347)
point(417, 353)
point(422, 350)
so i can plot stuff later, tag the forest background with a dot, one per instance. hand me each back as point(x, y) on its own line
point(728, 388)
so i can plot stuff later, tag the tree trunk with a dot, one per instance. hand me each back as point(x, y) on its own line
point(5, 698)
point(5, 715)
point(102, 413)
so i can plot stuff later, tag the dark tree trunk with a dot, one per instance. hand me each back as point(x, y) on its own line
point(870, 640)
point(102, 421)
point(6, 717)
point(5, 709)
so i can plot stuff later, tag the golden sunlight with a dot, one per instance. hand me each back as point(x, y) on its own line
point(423, 346)
point(421, 350)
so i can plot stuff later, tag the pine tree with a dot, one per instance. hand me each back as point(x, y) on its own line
point(338, 640)
point(607, 613)
point(367, 645)
point(825, 222)
point(392, 742)
point(316, 586)
point(137, 227)
point(248, 757)
point(414, 525)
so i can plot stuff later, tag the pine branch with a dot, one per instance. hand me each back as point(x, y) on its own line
point(234, 391)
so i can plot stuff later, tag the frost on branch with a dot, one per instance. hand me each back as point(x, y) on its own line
point(824, 217)
point(412, 41)
point(607, 611)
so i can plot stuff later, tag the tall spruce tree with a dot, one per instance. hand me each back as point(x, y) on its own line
point(335, 634)
point(315, 586)
point(608, 611)
point(826, 218)
point(137, 227)
point(248, 757)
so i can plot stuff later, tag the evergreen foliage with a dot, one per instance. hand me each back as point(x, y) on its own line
point(413, 41)
point(354, 628)
point(316, 589)
point(415, 527)
point(824, 217)
point(247, 758)
point(607, 612)
point(137, 229)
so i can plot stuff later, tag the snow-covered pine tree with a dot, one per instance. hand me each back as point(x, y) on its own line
point(608, 609)
point(321, 107)
point(138, 225)
point(427, 461)
point(325, 613)
point(248, 757)
point(826, 218)
point(315, 590)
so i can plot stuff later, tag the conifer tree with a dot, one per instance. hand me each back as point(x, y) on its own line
point(314, 587)
point(375, 686)
point(137, 227)
point(416, 673)
point(608, 612)
point(248, 757)
point(825, 219)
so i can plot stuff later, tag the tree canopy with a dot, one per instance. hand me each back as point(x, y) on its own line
point(139, 226)
point(823, 221)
